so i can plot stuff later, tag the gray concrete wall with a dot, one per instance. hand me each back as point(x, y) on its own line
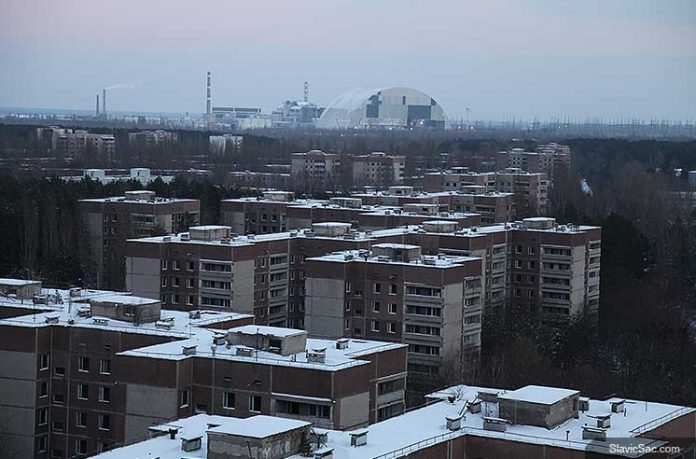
point(146, 405)
point(354, 411)
point(324, 307)
point(143, 276)
point(243, 286)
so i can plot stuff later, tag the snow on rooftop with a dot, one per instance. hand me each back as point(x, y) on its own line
point(124, 299)
point(267, 330)
point(427, 261)
point(417, 429)
point(260, 426)
point(335, 359)
point(17, 282)
point(542, 395)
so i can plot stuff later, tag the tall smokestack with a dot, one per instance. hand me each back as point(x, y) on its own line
point(104, 102)
point(207, 100)
point(97, 104)
point(306, 91)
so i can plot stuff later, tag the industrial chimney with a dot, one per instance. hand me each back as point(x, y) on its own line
point(207, 100)
point(104, 102)
point(306, 91)
point(97, 104)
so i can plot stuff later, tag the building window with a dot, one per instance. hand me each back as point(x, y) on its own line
point(105, 366)
point(176, 282)
point(190, 282)
point(375, 326)
point(376, 305)
point(175, 265)
point(164, 265)
point(183, 398)
point(81, 446)
point(392, 308)
point(228, 400)
point(41, 445)
point(347, 287)
point(56, 453)
point(255, 403)
point(43, 417)
point(104, 394)
point(189, 300)
point(58, 425)
point(392, 289)
point(43, 362)
point(58, 398)
point(391, 327)
point(104, 422)
point(378, 287)
point(83, 364)
point(82, 391)
point(164, 282)
point(81, 419)
point(175, 298)
point(190, 266)
point(43, 389)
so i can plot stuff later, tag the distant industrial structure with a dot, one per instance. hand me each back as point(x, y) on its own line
point(394, 107)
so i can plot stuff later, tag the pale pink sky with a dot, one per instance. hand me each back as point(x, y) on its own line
point(522, 58)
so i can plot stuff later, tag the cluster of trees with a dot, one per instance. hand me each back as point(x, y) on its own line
point(644, 345)
point(42, 235)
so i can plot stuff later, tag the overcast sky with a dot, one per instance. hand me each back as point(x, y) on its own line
point(501, 59)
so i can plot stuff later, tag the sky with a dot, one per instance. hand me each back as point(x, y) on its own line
point(501, 59)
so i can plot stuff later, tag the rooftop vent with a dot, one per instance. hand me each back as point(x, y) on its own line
point(594, 433)
point(495, 424)
point(188, 350)
point(342, 343)
point(100, 321)
point(166, 238)
point(164, 324)
point(194, 314)
point(84, 311)
point(454, 422)
point(584, 404)
point(316, 356)
point(618, 406)
point(243, 351)
point(185, 237)
point(191, 443)
point(324, 453)
point(75, 292)
point(604, 421)
point(51, 319)
point(358, 438)
point(220, 340)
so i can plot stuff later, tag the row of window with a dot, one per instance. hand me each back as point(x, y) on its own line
point(81, 421)
point(57, 453)
point(83, 365)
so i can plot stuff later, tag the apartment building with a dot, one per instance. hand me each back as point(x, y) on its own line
point(377, 169)
point(248, 180)
point(101, 371)
point(111, 221)
point(220, 145)
point(149, 139)
point(210, 267)
point(534, 264)
point(76, 144)
point(315, 167)
point(461, 421)
point(63, 381)
point(278, 211)
point(530, 189)
point(546, 158)
point(394, 293)
point(494, 207)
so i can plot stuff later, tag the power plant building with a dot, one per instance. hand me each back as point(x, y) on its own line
point(393, 107)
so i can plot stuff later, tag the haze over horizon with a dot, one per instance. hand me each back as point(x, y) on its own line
point(502, 59)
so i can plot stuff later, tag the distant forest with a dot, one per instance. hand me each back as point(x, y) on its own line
point(645, 344)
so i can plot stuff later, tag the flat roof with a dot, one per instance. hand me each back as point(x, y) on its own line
point(260, 426)
point(425, 261)
point(17, 282)
point(124, 299)
point(267, 330)
point(541, 395)
point(426, 426)
point(335, 359)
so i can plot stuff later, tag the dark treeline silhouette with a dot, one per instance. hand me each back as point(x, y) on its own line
point(41, 231)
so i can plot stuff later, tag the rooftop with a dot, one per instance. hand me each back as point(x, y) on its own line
point(538, 394)
point(425, 427)
point(203, 339)
point(258, 426)
point(365, 256)
point(17, 282)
